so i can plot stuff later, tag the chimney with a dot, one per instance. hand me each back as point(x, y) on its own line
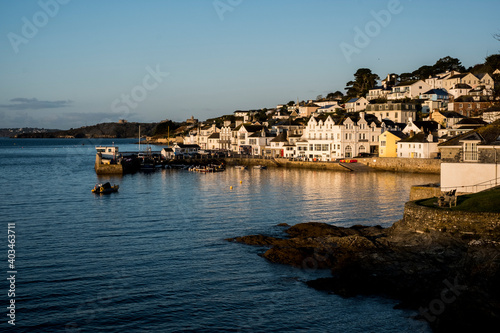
point(412, 134)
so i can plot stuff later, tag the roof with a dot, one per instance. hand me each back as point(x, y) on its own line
point(427, 126)
point(399, 134)
point(181, 145)
point(420, 137)
point(461, 86)
point(252, 128)
point(406, 83)
point(353, 100)
point(487, 135)
point(436, 91)
point(280, 138)
point(458, 76)
point(495, 108)
point(472, 121)
point(214, 136)
point(451, 114)
point(327, 106)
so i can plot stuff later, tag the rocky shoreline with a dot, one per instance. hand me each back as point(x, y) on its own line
point(452, 281)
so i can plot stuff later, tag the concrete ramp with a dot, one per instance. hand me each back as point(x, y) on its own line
point(357, 167)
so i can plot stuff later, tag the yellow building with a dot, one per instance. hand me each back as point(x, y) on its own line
point(388, 143)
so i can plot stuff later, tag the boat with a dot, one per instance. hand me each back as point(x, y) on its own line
point(262, 167)
point(105, 188)
point(208, 168)
point(243, 167)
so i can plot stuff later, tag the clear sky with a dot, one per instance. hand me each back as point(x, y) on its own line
point(71, 63)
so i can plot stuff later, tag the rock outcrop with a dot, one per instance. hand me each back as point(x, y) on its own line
point(452, 281)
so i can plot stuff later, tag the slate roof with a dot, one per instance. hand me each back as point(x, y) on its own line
point(420, 137)
point(436, 92)
point(472, 121)
point(427, 126)
point(462, 86)
point(214, 136)
point(280, 138)
point(487, 134)
point(399, 134)
point(451, 114)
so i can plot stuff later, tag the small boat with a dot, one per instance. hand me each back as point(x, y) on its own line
point(262, 167)
point(105, 188)
point(243, 167)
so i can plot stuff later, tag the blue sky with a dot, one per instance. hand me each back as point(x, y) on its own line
point(71, 63)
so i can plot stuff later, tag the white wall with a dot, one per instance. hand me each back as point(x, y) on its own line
point(469, 177)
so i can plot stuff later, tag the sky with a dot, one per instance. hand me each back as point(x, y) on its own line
point(73, 63)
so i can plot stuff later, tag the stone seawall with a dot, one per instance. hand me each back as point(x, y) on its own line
point(418, 192)
point(285, 163)
point(419, 165)
point(424, 219)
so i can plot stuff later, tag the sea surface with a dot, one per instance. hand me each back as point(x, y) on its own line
point(153, 257)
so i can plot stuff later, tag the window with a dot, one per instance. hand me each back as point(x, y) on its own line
point(470, 151)
point(382, 143)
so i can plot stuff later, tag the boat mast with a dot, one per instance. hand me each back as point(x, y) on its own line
point(139, 138)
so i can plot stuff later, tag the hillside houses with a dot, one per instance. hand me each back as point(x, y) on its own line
point(399, 119)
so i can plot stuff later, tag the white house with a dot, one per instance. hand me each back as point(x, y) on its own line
point(459, 89)
point(409, 89)
point(420, 145)
point(356, 104)
point(167, 153)
point(396, 112)
point(325, 140)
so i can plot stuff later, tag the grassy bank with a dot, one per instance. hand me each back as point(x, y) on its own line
point(487, 201)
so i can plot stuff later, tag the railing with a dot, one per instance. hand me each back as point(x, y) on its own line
point(474, 188)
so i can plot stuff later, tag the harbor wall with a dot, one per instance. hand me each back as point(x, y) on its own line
point(399, 164)
point(418, 192)
point(424, 219)
point(106, 169)
point(285, 163)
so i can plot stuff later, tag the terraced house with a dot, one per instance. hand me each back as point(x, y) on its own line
point(326, 140)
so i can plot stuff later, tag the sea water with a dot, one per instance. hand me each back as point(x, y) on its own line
point(153, 257)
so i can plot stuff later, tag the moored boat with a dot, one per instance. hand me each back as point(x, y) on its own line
point(105, 188)
point(262, 167)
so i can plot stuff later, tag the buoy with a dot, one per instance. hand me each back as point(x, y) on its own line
point(230, 187)
point(241, 182)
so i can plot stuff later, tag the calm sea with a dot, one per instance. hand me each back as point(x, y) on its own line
point(152, 257)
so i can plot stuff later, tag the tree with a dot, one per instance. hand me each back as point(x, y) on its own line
point(291, 103)
point(364, 81)
point(424, 72)
point(319, 97)
point(448, 64)
point(335, 95)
